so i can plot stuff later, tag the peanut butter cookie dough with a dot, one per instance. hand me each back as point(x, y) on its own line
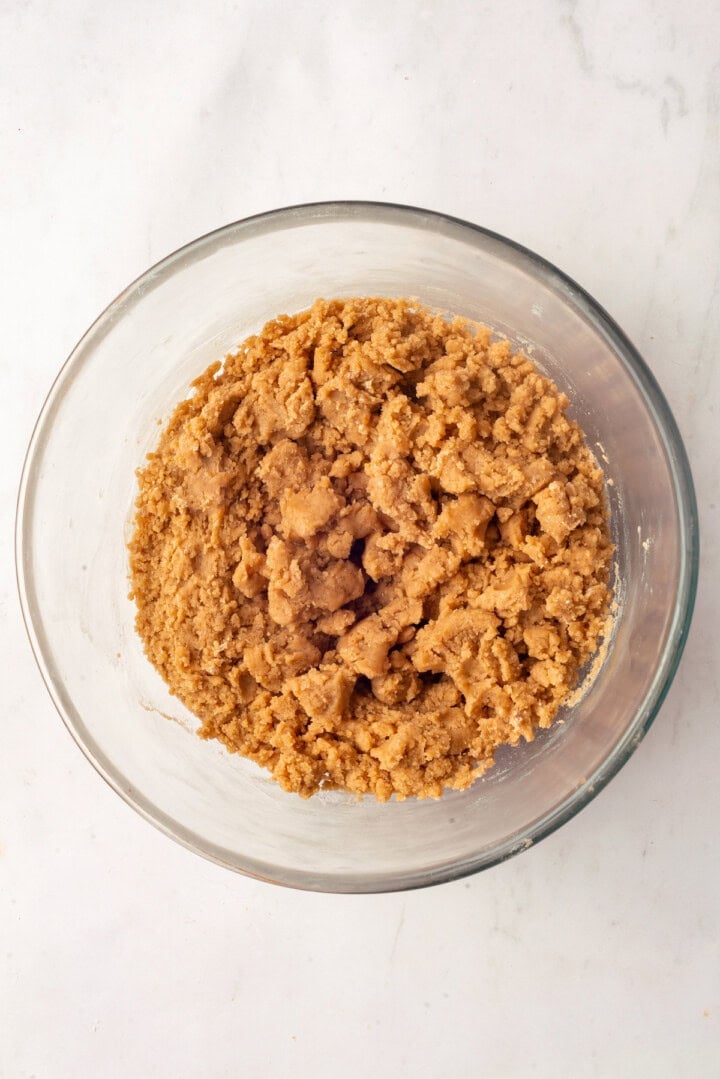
point(370, 549)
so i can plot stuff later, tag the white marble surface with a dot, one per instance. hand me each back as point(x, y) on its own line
point(589, 132)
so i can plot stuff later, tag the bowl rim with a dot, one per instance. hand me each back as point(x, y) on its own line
point(396, 214)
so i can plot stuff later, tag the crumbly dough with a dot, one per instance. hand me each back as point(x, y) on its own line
point(370, 549)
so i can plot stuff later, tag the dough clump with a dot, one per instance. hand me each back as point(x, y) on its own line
point(371, 548)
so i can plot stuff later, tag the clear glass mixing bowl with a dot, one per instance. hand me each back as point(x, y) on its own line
point(75, 509)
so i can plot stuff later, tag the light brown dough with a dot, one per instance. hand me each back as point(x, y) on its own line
point(370, 549)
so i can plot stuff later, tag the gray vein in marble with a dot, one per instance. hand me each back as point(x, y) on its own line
point(577, 36)
point(681, 96)
point(674, 97)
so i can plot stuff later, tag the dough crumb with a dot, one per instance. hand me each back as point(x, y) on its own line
point(371, 548)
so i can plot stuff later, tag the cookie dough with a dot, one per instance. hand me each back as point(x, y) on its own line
point(371, 548)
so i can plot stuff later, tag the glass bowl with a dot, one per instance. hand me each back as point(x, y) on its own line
point(75, 511)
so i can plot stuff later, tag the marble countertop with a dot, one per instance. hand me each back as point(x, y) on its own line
point(590, 133)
